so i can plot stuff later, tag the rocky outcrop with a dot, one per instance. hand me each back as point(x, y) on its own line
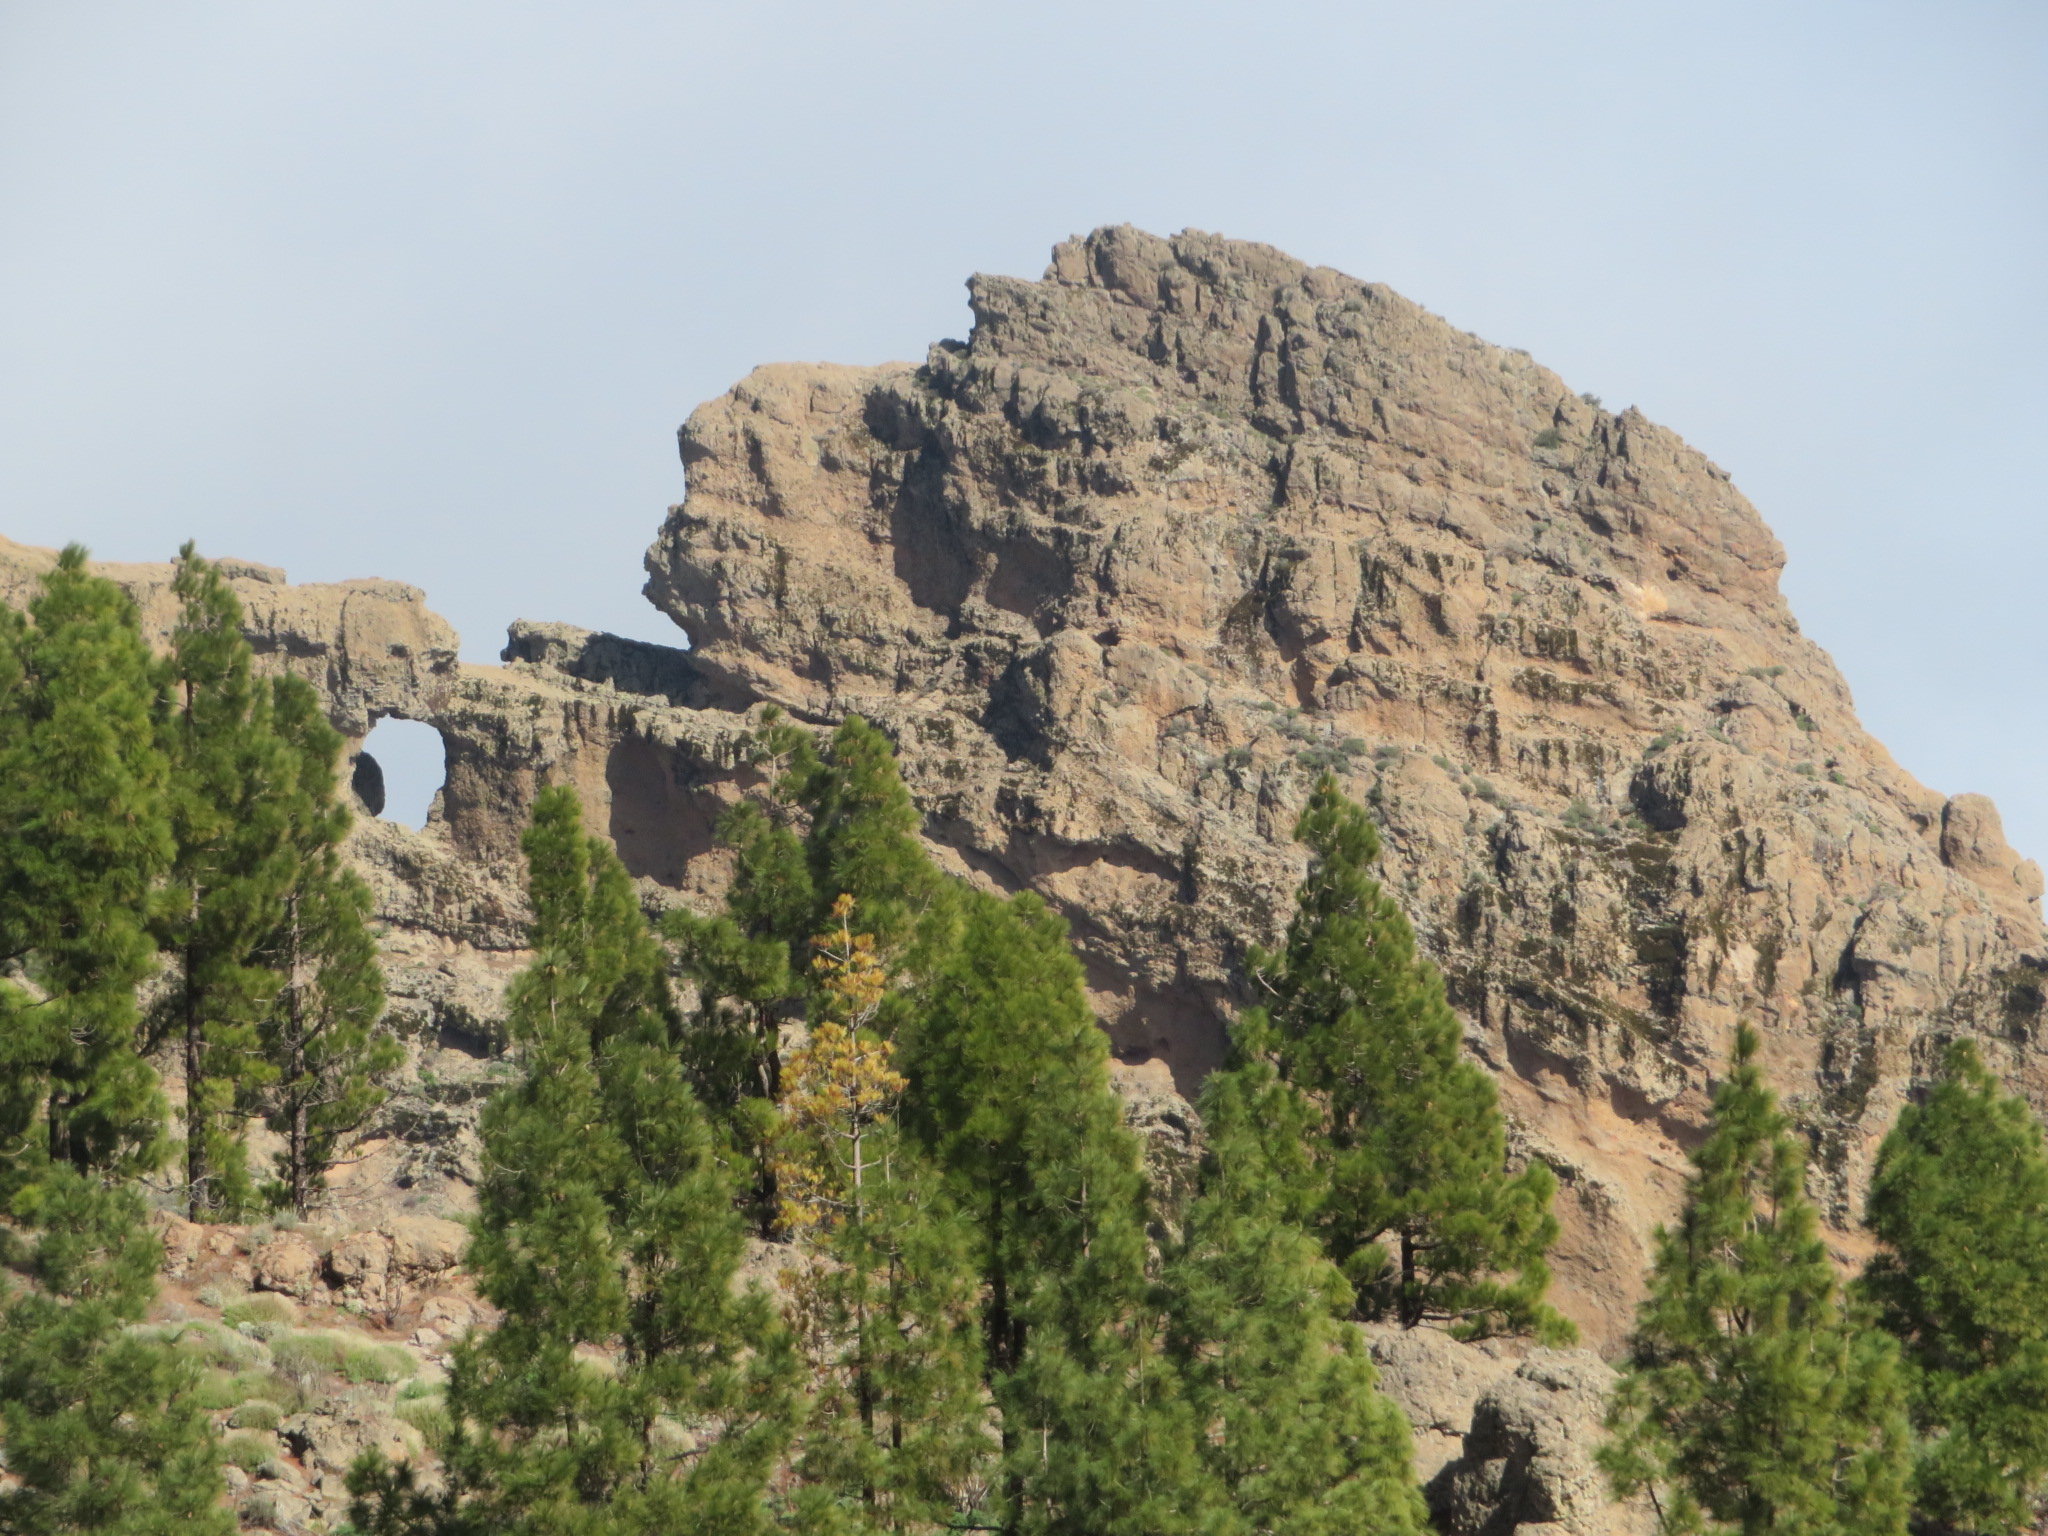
point(1527, 1466)
point(1180, 526)
point(1505, 1434)
point(320, 1343)
point(371, 647)
point(1186, 523)
point(1437, 1381)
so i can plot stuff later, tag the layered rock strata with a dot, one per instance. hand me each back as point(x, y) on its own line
point(1179, 527)
point(1186, 523)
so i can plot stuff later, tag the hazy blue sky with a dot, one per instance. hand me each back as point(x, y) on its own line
point(423, 290)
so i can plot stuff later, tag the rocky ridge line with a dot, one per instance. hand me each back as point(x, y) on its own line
point(1180, 526)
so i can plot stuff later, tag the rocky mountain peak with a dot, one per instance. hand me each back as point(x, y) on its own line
point(1179, 527)
point(1187, 522)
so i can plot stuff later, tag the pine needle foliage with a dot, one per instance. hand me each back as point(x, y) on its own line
point(85, 833)
point(1009, 1094)
point(1418, 1207)
point(748, 986)
point(1295, 1434)
point(102, 1424)
point(752, 962)
point(630, 1387)
point(1751, 1400)
point(321, 1036)
point(1959, 1201)
point(862, 840)
point(898, 1435)
point(233, 866)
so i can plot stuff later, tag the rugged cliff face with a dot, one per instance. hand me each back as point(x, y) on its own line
point(1178, 527)
point(1186, 522)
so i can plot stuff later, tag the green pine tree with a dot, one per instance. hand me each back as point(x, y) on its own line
point(1418, 1209)
point(605, 1224)
point(898, 1433)
point(751, 962)
point(1009, 1093)
point(103, 1426)
point(1959, 1201)
point(84, 835)
point(1751, 1402)
point(231, 774)
point(747, 988)
point(100, 1424)
point(1295, 1432)
point(321, 1036)
point(862, 842)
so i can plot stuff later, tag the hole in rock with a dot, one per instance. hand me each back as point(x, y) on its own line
point(401, 768)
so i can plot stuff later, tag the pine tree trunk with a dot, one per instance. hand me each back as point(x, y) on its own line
point(296, 1087)
point(1000, 1359)
point(864, 1385)
point(195, 1069)
point(1411, 1299)
point(770, 1028)
point(767, 1190)
point(195, 1054)
point(58, 1113)
point(896, 1309)
point(302, 1191)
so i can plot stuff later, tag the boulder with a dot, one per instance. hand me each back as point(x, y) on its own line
point(183, 1242)
point(449, 1315)
point(329, 1442)
point(424, 1246)
point(1436, 1380)
point(1527, 1464)
point(358, 1264)
point(288, 1263)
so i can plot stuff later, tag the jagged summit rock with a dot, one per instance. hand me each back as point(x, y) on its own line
point(1186, 522)
point(1181, 525)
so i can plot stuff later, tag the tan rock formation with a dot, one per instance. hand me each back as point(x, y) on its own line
point(1186, 522)
point(1437, 1381)
point(1527, 1465)
point(1181, 525)
point(371, 647)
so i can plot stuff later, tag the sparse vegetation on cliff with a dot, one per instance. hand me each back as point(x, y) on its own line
point(1412, 1193)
